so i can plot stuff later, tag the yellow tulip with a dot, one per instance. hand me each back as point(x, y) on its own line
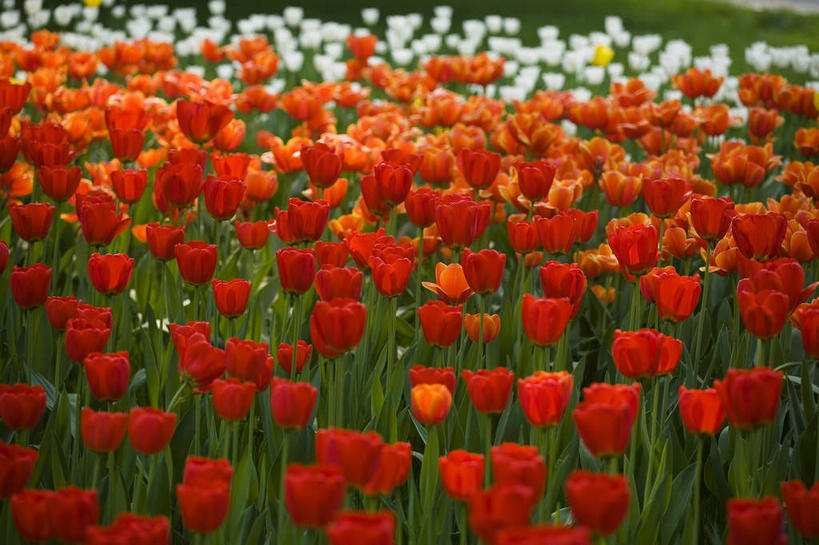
point(602, 55)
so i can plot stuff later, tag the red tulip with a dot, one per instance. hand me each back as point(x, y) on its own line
point(230, 166)
point(126, 145)
point(420, 205)
point(491, 327)
point(333, 282)
point(701, 410)
point(430, 403)
point(676, 296)
point(763, 312)
point(557, 234)
point(479, 167)
point(292, 402)
point(545, 318)
point(460, 220)
point(31, 221)
point(59, 182)
point(598, 501)
point(390, 278)
point(16, 465)
point(21, 405)
point(197, 261)
point(635, 248)
point(232, 398)
point(99, 219)
point(544, 533)
point(129, 185)
point(162, 239)
point(431, 375)
point(313, 494)
point(391, 470)
point(545, 396)
point(107, 374)
point(322, 164)
point(806, 320)
point(355, 453)
point(500, 507)
point(103, 432)
point(181, 333)
point(753, 522)
point(711, 217)
point(249, 361)
point(535, 179)
point(231, 296)
point(284, 354)
point(134, 529)
point(489, 390)
point(522, 235)
point(83, 336)
point(71, 512)
point(759, 236)
point(517, 464)
point(564, 280)
point(393, 182)
point(331, 253)
point(484, 270)
point(222, 197)
point(784, 275)
point(645, 353)
point(440, 323)
point(202, 121)
point(664, 196)
point(204, 506)
point(29, 285)
point(337, 326)
point(606, 416)
point(362, 528)
point(150, 430)
point(199, 470)
point(296, 269)
point(4, 255)
point(461, 474)
point(750, 396)
point(110, 273)
point(252, 235)
point(179, 184)
point(32, 514)
point(9, 149)
point(802, 506)
point(200, 363)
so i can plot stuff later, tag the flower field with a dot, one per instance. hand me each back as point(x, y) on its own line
point(279, 280)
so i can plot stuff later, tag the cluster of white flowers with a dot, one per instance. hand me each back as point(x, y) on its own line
point(406, 40)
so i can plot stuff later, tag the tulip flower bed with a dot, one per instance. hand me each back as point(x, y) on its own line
point(394, 309)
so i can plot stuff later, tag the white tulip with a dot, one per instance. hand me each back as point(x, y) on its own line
point(554, 81)
point(370, 16)
point(548, 33)
point(440, 25)
point(494, 23)
point(443, 11)
point(293, 15)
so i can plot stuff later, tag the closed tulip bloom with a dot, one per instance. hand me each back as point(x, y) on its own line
point(483, 270)
point(645, 353)
point(337, 326)
point(4, 255)
point(392, 181)
point(420, 206)
point(322, 164)
point(333, 282)
point(635, 248)
point(232, 165)
point(313, 494)
point(110, 273)
point(564, 280)
point(545, 318)
point(135, 529)
point(9, 149)
point(101, 431)
point(759, 236)
point(331, 253)
point(802, 505)
point(750, 396)
point(232, 398)
point(701, 410)
point(518, 464)
point(664, 196)
point(620, 189)
point(249, 361)
point(284, 355)
point(606, 416)
point(754, 522)
point(29, 285)
point(59, 182)
point(431, 375)
point(85, 336)
point(31, 221)
point(491, 327)
point(711, 217)
point(479, 167)
point(181, 333)
point(72, 511)
point(440, 323)
point(431, 403)
point(763, 312)
point(197, 261)
point(390, 277)
point(292, 402)
point(557, 234)
point(489, 390)
point(522, 236)
point(202, 121)
point(16, 465)
point(222, 197)
point(32, 514)
point(598, 501)
point(252, 235)
point(201, 470)
point(179, 184)
point(201, 363)
point(354, 452)
point(99, 219)
point(149, 429)
point(362, 528)
point(204, 506)
point(461, 473)
point(535, 178)
point(461, 220)
point(162, 240)
point(544, 533)
point(450, 284)
point(60, 309)
point(231, 296)
point(21, 405)
point(129, 185)
point(392, 469)
point(107, 375)
point(499, 507)
point(545, 396)
point(806, 319)
point(303, 221)
point(126, 145)
point(297, 268)
point(676, 296)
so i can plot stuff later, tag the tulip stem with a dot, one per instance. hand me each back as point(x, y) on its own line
point(760, 352)
point(282, 479)
point(251, 427)
point(487, 438)
point(391, 317)
point(552, 448)
point(464, 533)
point(197, 413)
point(55, 251)
point(481, 305)
point(297, 311)
point(154, 461)
point(701, 319)
point(635, 304)
point(418, 280)
point(697, 479)
point(58, 364)
point(339, 387)
point(652, 438)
